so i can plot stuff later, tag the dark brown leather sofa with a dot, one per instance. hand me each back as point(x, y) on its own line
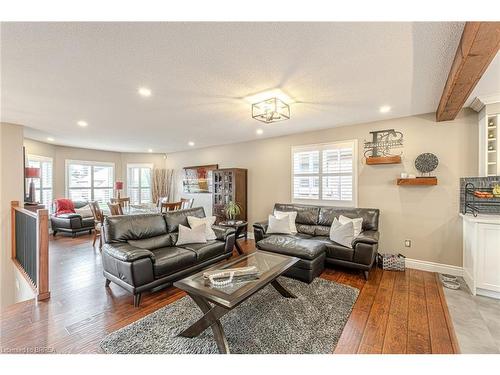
point(139, 251)
point(312, 243)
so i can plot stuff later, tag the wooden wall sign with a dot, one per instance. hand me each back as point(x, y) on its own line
point(378, 150)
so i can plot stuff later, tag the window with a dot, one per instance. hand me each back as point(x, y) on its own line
point(139, 183)
point(89, 181)
point(43, 185)
point(325, 173)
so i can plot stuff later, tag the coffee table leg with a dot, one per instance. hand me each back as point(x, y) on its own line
point(210, 319)
point(282, 290)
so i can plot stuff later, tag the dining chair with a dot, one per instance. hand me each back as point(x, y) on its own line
point(187, 203)
point(123, 202)
point(173, 206)
point(160, 201)
point(115, 209)
point(98, 222)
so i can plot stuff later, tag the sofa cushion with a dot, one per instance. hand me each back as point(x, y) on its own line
point(64, 206)
point(336, 251)
point(133, 227)
point(174, 218)
point(293, 246)
point(370, 216)
point(152, 243)
point(306, 229)
point(208, 250)
point(172, 259)
point(305, 214)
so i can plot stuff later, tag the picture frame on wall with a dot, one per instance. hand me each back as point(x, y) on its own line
point(198, 179)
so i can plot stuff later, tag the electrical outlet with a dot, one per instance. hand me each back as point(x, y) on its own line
point(407, 243)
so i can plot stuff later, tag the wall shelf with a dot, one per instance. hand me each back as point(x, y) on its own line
point(419, 181)
point(383, 160)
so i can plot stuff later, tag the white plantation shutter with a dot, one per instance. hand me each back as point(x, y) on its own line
point(139, 183)
point(43, 185)
point(90, 181)
point(325, 172)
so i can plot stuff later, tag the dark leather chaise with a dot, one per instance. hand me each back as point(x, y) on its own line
point(312, 243)
point(139, 251)
point(72, 223)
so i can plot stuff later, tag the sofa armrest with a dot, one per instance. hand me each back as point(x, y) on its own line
point(259, 230)
point(126, 252)
point(369, 237)
point(67, 216)
point(261, 225)
point(222, 232)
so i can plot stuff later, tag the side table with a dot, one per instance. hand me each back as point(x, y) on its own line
point(241, 231)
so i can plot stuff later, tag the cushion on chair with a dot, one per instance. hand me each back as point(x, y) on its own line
point(64, 206)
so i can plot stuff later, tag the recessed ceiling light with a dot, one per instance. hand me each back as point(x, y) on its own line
point(150, 150)
point(385, 109)
point(50, 139)
point(144, 91)
point(82, 123)
point(259, 131)
point(191, 143)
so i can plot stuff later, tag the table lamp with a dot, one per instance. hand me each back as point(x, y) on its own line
point(30, 172)
point(118, 187)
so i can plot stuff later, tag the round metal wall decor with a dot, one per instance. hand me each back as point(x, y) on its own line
point(426, 163)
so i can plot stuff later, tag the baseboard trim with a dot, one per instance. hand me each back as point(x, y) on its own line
point(434, 267)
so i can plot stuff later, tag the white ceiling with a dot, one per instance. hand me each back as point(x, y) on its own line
point(54, 74)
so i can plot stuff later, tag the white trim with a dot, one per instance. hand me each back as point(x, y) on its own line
point(39, 158)
point(319, 146)
point(140, 165)
point(424, 265)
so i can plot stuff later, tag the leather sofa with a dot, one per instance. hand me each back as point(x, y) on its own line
point(139, 251)
point(72, 223)
point(312, 243)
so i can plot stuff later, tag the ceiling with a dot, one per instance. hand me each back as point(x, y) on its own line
point(55, 74)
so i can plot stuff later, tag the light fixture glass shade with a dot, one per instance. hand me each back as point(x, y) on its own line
point(271, 110)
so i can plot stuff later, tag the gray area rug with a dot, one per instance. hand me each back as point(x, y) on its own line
point(265, 323)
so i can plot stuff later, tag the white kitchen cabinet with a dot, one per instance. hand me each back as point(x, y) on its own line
point(481, 254)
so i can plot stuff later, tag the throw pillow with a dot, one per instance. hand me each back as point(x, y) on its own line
point(191, 235)
point(84, 211)
point(279, 225)
point(64, 206)
point(356, 222)
point(207, 221)
point(343, 234)
point(292, 215)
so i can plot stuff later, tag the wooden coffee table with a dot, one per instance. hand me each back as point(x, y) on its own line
point(215, 302)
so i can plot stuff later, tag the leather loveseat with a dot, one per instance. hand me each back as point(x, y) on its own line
point(72, 223)
point(139, 251)
point(312, 243)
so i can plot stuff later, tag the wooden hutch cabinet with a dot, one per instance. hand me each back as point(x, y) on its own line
point(229, 184)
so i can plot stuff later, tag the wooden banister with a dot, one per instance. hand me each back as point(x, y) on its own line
point(38, 280)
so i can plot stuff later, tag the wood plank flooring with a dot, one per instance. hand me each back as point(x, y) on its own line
point(395, 312)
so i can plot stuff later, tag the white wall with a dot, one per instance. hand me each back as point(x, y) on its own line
point(14, 287)
point(60, 154)
point(426, 215)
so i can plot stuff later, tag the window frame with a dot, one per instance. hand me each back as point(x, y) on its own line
point(149, 166)
point(41, 159)
point(92, 164)
point(320, 147)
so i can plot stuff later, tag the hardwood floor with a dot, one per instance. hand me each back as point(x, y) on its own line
point(395, 312)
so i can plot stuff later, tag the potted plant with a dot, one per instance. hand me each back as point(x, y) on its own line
point(232, 210)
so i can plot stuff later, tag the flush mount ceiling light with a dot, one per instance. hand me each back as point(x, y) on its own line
point(270, 106)
point(191, 143)
point(259, 131)
point(385, 109)
point(144, 91)
point(150, 150)
point(82, 123)
point(50, 139)
point(271, 110)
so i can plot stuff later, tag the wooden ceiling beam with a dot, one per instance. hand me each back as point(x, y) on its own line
point(478, 46)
